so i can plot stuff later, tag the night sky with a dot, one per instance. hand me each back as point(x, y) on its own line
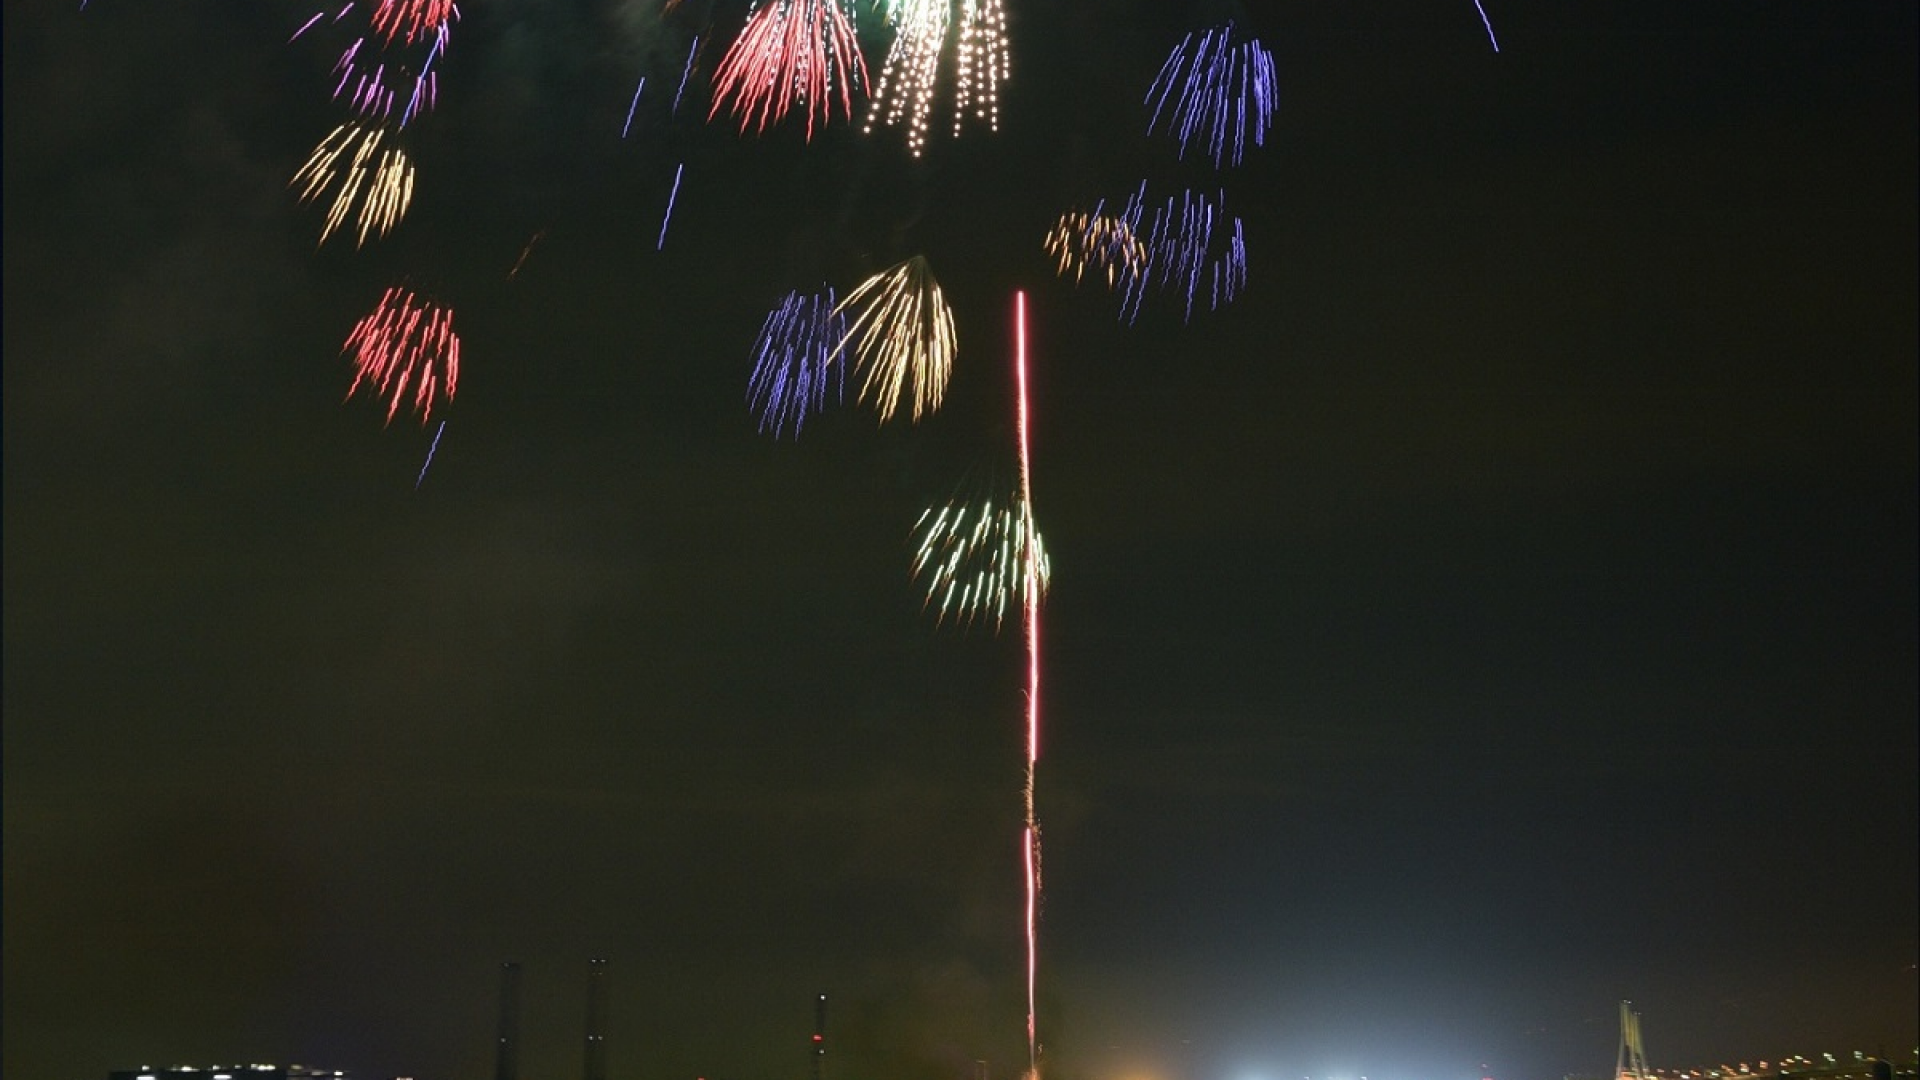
point(1506, 608)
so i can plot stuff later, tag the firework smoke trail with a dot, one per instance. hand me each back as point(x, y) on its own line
point(524, 252)
point(982, 63)
point(668, 216)
point(905, 89)
point(1097, 240)
point(379, 180)
point(1031, 586)
point(628, 126)
point(427, 464)
point(904, 332)
point(1488, 23)
point(1220, 93)
point(973, 558)
point(406, 346)
point(791, 51)
point(793, 357)
point(1181, 250)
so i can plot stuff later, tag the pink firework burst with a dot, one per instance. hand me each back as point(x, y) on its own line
point(790, 52)
point(406, 350)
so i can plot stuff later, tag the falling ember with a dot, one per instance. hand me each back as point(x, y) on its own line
point(671, 196)
point(628, 126)
point(406, 350)
point(353, 161)
point(904, 333)
point(1488, 23)
point(1032, 585)
point(427, 464)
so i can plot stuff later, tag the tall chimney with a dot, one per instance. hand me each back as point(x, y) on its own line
point(596, 1066)
point(506, 1054)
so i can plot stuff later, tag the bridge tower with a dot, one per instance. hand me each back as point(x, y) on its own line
point(1630, 1063)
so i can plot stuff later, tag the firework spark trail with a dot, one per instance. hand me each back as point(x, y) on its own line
point(1095, 240)
point(406, 346)
point(973, 559)
point(793, 357)
point(524, 252)
point(412, 19)
point(1181, 252)
point(907, 77)
point(1220, 93)
point(317, 16)
point(628, 126)
point(379, 180)
point(791, 51)
point(982, 63)
point(427, 464)
point(668, 216)
point(371, 92)
point(904, 333)
point(1032, 585)
point(684, 72)
point(1488, 23)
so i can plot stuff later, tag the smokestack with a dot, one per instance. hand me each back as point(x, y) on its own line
point(819, 1034)
point(506, 1054)
point(596, 1067)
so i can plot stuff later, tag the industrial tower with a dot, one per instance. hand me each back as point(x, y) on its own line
point(506, 1053)
point(819, 1035)
point(596, 1067)
point(1631, 1061)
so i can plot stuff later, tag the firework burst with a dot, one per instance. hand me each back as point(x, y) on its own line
point(412, 20)
point(1097, 241)
point(364, 169)
point(791, 52)
point(903, 333)
point(1215, 93)
point(972, 558)
point(1192, 246)
point(793, 361)
point(405, 350)
point(378, 89)
point(904, 91)
point(981, 64)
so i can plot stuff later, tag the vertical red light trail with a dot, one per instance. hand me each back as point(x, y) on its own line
point(1030, 856)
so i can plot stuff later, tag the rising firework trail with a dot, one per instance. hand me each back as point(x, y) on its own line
point(1032, 583)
